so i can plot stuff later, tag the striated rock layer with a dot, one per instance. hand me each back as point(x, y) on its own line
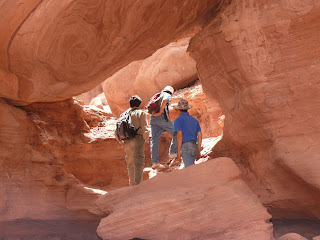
point(53, 50)
point(82, 138)
point(206, 201)
point(260, 60)
point(33, 182)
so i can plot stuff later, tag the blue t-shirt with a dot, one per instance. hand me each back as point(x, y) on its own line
point(189, 127)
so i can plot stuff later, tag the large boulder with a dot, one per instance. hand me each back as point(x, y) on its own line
point(291, 236)
point(87, 97)
point(260, 60)
point(170, 65)
point(205, 201)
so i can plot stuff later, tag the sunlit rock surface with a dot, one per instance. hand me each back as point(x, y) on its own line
point(82, 137)
point(170, 65)
point(260, 60)
point(33, 182)
point(87, 97)
point(206, 201)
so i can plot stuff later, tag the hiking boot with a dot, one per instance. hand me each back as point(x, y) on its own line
point(172, 155)
point(158, 166)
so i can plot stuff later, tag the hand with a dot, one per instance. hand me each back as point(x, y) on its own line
point(199, 153)
point(178, 159)
point(156, 114)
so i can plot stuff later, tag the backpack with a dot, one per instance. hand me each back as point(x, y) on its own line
point(124, 127)
point(154, 103)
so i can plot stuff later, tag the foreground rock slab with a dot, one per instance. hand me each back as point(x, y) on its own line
point(206, 201)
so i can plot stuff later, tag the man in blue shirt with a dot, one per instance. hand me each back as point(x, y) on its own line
point(189, 136)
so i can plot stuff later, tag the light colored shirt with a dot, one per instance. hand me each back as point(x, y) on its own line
point(139, 119)
point(189, 127)
point(165, 96)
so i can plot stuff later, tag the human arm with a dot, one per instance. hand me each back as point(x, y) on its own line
point(179, 144)
point(144, 131)
point(163, 105)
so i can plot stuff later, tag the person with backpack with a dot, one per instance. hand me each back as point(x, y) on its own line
point(159, 122)
point(189, 136)
point(133, 133)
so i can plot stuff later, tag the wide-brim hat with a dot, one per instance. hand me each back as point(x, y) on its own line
point(182, 105)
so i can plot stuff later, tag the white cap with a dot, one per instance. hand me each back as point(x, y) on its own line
point(169, 89)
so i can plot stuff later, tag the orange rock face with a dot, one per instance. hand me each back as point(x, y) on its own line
point(261, 62)
point(206, 201)
point(53, 50)
point(83, 139)
point(170, 65)
point(33, 182)
point(87, 97)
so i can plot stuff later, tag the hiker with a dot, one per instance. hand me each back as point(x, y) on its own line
point(189, 136)
point(134, 147)
point(160, 121)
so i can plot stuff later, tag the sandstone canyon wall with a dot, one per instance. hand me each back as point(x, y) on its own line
point(260, 60)
point(51, 51)
point(34, 183)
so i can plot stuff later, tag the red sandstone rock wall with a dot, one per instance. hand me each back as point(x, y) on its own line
point(33, 182)
point(53, 50)
point(170, 65)
point(83, 139)
point(260, 60)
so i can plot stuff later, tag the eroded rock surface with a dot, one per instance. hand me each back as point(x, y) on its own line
point(170, 65)
point(53, 50)
point(83, 139)
point(206, 201)
point(33, 182)
point(260, 60)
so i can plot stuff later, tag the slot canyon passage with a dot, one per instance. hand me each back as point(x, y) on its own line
point(251, 70)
